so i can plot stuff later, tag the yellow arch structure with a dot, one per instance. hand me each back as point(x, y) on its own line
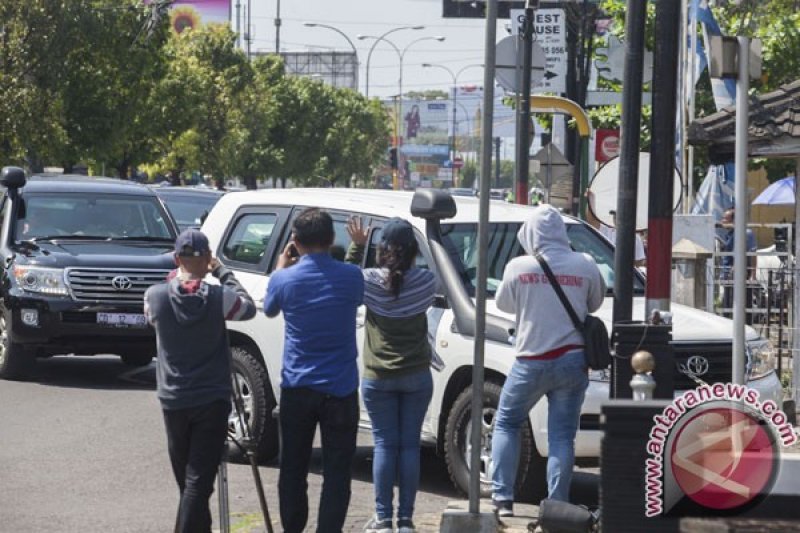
point(560, 105)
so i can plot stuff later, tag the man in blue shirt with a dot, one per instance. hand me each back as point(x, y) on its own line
point(319, 297)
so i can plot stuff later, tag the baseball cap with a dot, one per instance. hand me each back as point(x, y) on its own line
point(192, 243)
point(398, 231)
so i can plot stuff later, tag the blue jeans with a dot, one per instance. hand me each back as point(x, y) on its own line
point(564, 381)
point(396, 407)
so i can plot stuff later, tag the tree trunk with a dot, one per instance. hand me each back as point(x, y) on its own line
point(274, 182)
point(283, 183)
point(250, 183)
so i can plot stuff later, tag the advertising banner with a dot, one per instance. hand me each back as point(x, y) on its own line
point(188, 15)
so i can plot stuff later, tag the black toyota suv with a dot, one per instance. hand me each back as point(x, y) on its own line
point(76, 255)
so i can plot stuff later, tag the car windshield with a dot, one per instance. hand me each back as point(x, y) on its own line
point(461, 241)
point(92, 216)
point(188, 210)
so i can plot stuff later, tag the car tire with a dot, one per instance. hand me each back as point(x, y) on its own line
point(136, 359)
point(258, 402)
point(531, 485)
point(16, 363)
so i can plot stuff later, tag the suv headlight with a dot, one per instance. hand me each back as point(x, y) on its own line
point(761, 358)
point(41, 280)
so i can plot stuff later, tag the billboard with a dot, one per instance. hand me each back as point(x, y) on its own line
point(188, 15)
point(339, 69)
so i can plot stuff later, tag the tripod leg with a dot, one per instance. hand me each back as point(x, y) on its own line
point(248, 446)
point(222, 490)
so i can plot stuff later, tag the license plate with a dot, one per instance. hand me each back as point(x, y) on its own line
point(123, 320)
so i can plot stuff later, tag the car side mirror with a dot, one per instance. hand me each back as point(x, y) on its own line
point(440, 301)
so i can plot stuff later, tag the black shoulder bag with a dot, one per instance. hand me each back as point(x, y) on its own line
point(595, 335)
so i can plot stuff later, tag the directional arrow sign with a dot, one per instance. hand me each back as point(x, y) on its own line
point(550, 29)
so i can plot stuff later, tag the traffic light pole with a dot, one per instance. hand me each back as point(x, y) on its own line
point(524, 111)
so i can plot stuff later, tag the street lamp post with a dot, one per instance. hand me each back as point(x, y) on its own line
point(399, 101)
point(455, 76)
point(377, 40)
point(349, 41)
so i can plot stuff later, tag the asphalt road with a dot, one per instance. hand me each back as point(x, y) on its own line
point(82, 449)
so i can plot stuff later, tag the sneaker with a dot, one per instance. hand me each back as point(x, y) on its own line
point(376, 525)
point(405, 525)
point(503, 508)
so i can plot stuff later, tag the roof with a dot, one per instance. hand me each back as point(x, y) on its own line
point(187, 191)
point(774, 128)
point(375, 202)
point(77, 183)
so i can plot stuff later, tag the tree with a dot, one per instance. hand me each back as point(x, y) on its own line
point(251, 149)
point(358, 140)
point(205, 76)
point(775, 22)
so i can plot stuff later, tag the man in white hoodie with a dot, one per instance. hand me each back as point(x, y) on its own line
point(550, 358)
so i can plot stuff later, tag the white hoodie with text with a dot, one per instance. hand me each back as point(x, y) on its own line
point(542, 323)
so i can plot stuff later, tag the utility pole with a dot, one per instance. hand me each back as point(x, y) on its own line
point(248, 34)
point(278, 28)
point(524, 109)
point(455, 125)
point(629, 160)
point(497, 141)
point(238, 23)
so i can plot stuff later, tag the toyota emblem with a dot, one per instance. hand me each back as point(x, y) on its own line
point(121, 283)
point(696, 365)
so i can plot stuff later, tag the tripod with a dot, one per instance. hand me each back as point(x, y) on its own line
point(247, 447)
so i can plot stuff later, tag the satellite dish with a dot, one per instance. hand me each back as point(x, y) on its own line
point(605, 183)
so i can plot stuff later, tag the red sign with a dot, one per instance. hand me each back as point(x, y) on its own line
point(458, 162)
point(606, 144)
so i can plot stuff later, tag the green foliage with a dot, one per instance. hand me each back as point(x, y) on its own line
point(775, 22)
point(103, 83)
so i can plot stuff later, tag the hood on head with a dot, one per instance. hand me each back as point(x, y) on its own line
point(188, 307)
point(544, 230)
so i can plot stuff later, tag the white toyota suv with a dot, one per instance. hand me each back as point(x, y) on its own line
point(248, 229)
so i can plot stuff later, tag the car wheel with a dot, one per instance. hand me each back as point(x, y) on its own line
point(531, 482)
point(16, 363)
point(257, 403)
point(136, 359)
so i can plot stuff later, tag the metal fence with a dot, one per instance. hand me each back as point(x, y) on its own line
point(770, 292)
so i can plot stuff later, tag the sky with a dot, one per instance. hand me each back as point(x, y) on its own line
point(463, 44)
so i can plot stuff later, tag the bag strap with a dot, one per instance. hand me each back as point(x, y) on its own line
point(559, 291)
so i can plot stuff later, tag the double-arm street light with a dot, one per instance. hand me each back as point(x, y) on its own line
point(455, 76)
point(401, 55)
point(378, 39)
point(343, 34)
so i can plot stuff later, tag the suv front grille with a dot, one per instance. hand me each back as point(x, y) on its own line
point(123, 285)
point(718, 357)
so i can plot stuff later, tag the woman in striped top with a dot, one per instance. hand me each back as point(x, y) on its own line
point(397, 383)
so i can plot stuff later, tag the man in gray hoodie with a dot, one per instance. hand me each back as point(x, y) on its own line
point(550, 360)
point(193, 369)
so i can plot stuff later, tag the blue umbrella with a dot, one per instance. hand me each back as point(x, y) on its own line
point(779, 193)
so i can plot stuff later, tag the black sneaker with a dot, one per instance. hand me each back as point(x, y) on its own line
point(376, 525)
point(405, 525)
point(503, 508)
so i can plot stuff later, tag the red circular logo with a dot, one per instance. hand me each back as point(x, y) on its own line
point(724, 458)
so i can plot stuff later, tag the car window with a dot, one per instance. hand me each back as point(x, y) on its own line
point(188, 210)
point(341, 240)
point(249, 240)
point(92, 215)
point(372, 252)
point(461, 241)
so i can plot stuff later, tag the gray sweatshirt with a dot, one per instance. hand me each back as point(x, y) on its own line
point(542, 322)
point(193, 366)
